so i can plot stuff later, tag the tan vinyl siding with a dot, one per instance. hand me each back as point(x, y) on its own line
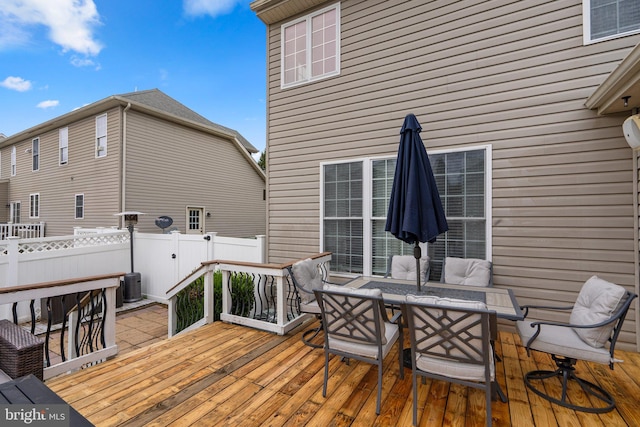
point(514, 75)
point(96, 178)
point(170, 167)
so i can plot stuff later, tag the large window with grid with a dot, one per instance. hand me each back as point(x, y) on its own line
point(355, 200)
point(311, 47)
point(607, 19)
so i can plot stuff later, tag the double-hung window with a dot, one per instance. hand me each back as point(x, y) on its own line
point(35, 154)
point(355, 200)
point(13, 161)
point(311, 47)
point(34, 205)
point(101, 136)
point(607, 19)
point(63, 145)
point(79, 206)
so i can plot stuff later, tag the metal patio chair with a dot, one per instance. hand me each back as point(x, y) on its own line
point(451, 341)
point(356, 327)
point(307, 276)
point(594, 324)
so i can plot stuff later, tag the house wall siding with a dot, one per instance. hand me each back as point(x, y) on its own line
point(511, 74)
point(170, 167)
point(96, 178)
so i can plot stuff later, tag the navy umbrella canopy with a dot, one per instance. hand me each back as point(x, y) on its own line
point(415, 211)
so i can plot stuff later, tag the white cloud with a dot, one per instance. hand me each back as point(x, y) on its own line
point(70, 23)
point(209, 7)
point(48, 104)
point(16, 83)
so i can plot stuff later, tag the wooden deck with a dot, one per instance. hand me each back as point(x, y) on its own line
point(232, 375)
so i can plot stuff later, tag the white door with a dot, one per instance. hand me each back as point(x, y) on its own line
point(195, 220)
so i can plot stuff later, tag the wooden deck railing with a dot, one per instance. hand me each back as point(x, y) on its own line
point(87, 333)
point(261, 296)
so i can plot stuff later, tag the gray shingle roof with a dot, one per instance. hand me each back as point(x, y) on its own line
point(155, 98)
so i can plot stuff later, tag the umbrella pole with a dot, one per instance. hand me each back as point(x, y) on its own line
point(417, 254)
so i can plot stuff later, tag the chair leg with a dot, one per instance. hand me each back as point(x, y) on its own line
point(379, 388)
point(310, 334)
point(566, 373)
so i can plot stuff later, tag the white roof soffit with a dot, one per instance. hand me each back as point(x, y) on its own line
point(624, 81)
point(272, 11)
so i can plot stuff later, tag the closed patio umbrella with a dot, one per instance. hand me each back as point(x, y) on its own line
point(415, 211)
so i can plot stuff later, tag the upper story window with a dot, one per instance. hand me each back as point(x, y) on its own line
point(13, 161)
point(311, 47)
point(607, 19)
point(35, 154)
point(101, 136)
point(63, 145)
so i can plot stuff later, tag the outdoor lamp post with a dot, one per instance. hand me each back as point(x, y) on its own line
point(132, 281)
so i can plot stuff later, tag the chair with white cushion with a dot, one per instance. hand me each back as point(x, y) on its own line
point(306, 277)
point(356, 326)
point(590, 334)
point(451, 341)
point(467, 271)
point(404, 267)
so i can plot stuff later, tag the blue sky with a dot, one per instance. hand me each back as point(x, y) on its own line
point(59, 55)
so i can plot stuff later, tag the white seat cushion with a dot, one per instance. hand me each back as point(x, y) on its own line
point(367, 350)
point(308, 278)
point(404, 267)
point(596, 302)
point(467, 271)
point(561, 341)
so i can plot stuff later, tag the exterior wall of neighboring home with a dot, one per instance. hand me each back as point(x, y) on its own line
point(4, 199)
point(96, 178)
point(514, 76)
point(171, 167)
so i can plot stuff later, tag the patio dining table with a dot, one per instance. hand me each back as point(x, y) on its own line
point(395, 291)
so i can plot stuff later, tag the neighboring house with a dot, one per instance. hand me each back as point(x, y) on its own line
point(531, 178)
point(141, 151)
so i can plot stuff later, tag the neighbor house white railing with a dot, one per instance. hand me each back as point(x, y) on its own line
point(23, 231)
point(261, 296)
point(90, 330)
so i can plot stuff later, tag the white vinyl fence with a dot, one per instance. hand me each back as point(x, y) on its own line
point(161, 259)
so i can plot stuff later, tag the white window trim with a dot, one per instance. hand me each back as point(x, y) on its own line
point(99, 153)
point(60, 146)
point(367, 208)
point(33, 196)
point(586, 27)
point(75, 206)
point(14, 167)
point(308, 18)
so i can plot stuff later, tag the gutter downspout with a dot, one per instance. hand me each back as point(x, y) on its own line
point(124, 162)
point(636, 240)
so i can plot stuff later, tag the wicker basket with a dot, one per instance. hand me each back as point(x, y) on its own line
point(21, 353)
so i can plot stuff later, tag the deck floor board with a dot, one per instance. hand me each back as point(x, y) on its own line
point(229, 375)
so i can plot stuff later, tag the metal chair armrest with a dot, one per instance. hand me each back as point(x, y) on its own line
point(525, 308)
